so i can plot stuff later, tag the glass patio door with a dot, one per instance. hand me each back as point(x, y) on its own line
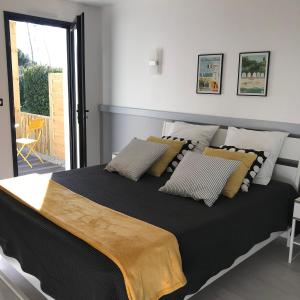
point(55, 50)
point(38, 59)
point(77, 90)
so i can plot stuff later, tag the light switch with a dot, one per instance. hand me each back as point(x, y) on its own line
point(1, 102)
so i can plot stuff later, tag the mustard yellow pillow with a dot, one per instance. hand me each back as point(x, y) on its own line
point(162, 163)
point(236, 179)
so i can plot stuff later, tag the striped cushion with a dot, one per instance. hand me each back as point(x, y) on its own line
point(136, 158)
point(200, 177)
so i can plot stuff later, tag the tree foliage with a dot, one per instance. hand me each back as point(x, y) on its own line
point(250, 65)
point(24, 60)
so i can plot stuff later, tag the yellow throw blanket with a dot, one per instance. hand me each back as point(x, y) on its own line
point(147, 256)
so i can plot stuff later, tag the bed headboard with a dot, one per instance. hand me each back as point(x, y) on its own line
point(120, 124)
point(287, 168)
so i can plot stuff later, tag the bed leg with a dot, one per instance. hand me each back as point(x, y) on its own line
point(292, 241)
point(288, 238)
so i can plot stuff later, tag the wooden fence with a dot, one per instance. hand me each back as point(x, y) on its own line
point(44, 145)
point(57, 121)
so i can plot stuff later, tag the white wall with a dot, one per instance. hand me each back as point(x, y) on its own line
point(186, 28)
point(66, 11)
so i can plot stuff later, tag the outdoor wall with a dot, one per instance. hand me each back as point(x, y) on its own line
point(62, 10)
point(183, 29)
point(56, 102)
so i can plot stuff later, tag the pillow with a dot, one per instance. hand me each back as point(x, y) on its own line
point(200, 177)
point(203, 134)
point(162, 163)
point(269, 141)
point(236, 178)
point(255, 168)
point(136, 158)
point(189, 145)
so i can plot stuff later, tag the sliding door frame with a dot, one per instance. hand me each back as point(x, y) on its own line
point(78, 25)
point(11, 16)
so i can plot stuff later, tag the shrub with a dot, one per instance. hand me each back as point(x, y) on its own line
point(35, 89)
point(23, 62)
point(21, 86)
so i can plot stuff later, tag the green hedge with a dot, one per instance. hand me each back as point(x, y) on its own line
point(34, 89)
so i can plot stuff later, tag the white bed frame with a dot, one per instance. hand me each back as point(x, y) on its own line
point(286, 170)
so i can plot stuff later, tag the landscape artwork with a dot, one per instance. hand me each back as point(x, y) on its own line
point(253, 73)
point(209, 74)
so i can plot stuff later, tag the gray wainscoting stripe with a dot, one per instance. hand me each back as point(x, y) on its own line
point(120, 124)
point(294, 129)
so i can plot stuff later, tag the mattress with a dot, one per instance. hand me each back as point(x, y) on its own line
point(210, 239)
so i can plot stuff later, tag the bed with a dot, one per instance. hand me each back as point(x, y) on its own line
point(210, 239)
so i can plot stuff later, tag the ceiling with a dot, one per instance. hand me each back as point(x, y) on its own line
point(96, 2)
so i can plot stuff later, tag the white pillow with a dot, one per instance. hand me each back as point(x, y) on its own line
point(269, 141)
point(202, 134)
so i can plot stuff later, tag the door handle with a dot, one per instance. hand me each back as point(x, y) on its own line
point(86, 110)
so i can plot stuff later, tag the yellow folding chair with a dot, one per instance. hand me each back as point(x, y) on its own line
point(34, 126)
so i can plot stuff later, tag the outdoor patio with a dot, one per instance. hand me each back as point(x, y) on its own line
point(39, 112)
point(37, 166)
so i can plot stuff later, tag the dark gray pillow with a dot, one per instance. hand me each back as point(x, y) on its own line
point(136, 158)
point(200, 177)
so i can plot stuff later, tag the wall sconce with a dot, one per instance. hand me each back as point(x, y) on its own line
point(155, 61)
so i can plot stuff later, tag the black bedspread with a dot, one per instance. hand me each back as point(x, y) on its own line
point(209, 238)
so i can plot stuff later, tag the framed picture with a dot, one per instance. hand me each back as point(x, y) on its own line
point(253, 73)
point(209, 73)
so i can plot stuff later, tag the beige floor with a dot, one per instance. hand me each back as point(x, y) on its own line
point(13, 285)
point(264, 276)
point(6, 293)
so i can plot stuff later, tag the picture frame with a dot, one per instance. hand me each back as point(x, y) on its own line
point(253, 73)
point(210, 73)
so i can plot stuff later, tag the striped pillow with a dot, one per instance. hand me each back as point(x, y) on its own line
point(200, 177)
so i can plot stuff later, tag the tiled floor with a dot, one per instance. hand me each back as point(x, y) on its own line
point(6, 293)
point(13, 284)
point(37, 167)
point(267, 275)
